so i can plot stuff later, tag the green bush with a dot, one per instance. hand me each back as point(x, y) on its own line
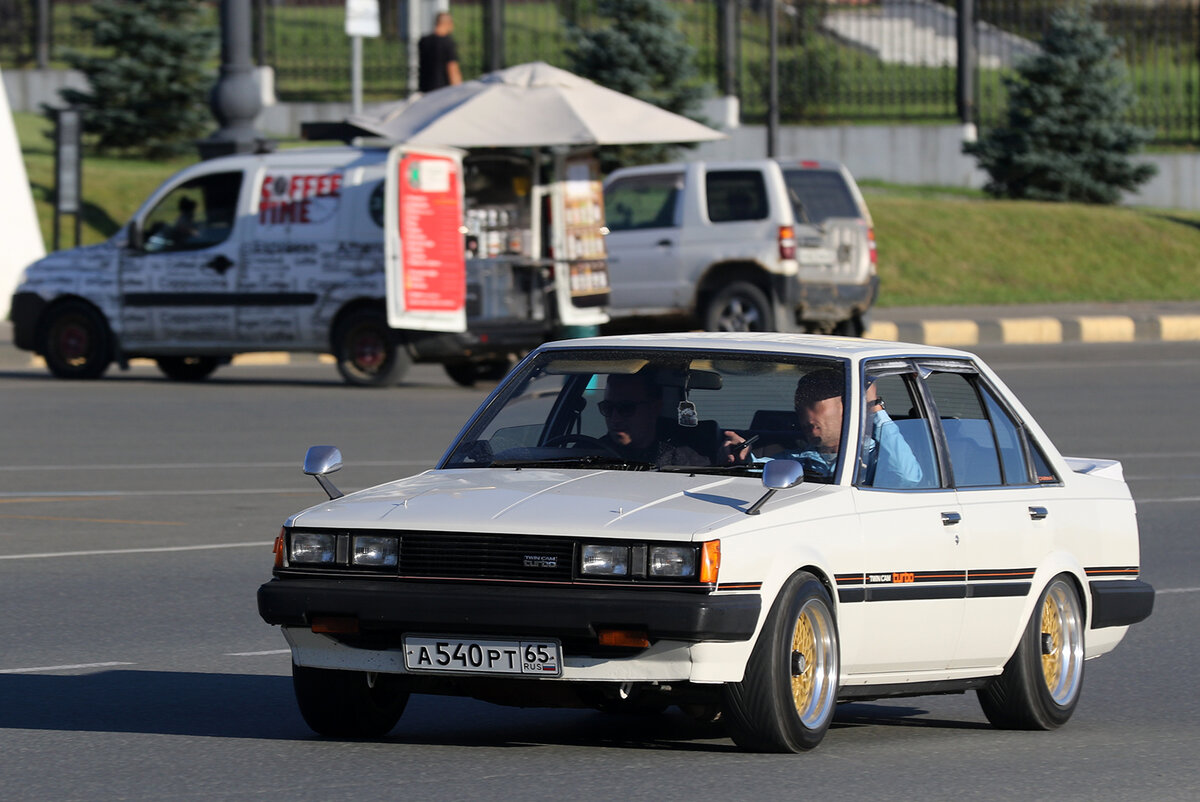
point(1067, 137)
point(148, 85)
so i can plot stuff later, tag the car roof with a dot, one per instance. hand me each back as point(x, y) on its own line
point(821, 345)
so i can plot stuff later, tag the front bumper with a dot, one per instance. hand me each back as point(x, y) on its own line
point(25, 312)
point(390, 607)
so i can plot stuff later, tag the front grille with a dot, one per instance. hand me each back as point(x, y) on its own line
point(481, 556)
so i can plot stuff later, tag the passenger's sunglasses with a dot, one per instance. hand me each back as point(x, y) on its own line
point(622, 408)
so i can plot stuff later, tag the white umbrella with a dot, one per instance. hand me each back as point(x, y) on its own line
point(529, 105)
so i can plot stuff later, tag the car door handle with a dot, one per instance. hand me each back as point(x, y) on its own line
point(950, 518)
point(1038, 513)
point(220, 263)
point(665, 243)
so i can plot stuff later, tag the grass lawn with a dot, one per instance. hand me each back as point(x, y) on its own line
point(936, 246)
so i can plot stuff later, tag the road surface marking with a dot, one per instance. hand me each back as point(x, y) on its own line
point(40, 669)
point(258, 654)
point(160, 549)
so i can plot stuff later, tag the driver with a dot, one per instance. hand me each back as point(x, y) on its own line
point(630, 408)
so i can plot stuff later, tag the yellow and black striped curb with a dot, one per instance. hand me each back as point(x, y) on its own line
point(1040, 330)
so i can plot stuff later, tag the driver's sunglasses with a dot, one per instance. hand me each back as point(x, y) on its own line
point(622, 408)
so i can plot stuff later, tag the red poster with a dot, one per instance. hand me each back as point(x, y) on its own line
point(430, 241)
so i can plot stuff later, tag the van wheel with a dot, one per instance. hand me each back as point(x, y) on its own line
point(366, 353)
point(739, 306)
point(76, 343)
point(468, 374)
point(187, 368)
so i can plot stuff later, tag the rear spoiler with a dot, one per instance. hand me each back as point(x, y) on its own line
point(1106, 468)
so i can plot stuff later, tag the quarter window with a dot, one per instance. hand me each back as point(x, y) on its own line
point(735, 195)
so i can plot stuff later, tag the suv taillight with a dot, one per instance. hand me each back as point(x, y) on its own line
point(874, 255)
point(787, 242)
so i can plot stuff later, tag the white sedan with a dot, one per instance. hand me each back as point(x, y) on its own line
point(750, 526)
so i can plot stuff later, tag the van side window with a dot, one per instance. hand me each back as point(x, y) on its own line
point(197, 214)
point(735, 195)
point(644, 201)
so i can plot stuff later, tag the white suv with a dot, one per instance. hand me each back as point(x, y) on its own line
point(752, 245)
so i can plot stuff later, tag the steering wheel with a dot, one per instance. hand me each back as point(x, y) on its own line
point(583, 440)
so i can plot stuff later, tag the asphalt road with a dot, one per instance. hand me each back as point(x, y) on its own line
point(136, 521)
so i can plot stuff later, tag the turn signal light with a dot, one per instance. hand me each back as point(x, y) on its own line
point(278, 550)
point(787, 242)
point(330, 625)
point(635, 638)
point(710, 561)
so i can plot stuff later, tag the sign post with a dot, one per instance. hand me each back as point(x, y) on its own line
point(68, 175)
point(362, 19)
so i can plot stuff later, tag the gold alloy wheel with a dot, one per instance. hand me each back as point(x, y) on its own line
point(814, 664)
point(1061, 643)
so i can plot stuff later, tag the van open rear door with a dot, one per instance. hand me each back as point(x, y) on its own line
point(423, 240)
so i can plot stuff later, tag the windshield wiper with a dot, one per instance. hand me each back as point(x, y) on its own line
point(587, 460)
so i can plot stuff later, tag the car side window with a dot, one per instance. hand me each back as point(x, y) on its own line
point(736, 195)
point(197, 214)
point(897, 448)
point(970, 438)
point(1009, 440)
point(644, 201)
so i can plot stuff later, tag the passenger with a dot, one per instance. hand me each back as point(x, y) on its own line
point(819, 411)
point(630, 408)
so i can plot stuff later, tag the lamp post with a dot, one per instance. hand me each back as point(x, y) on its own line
point(236, 99)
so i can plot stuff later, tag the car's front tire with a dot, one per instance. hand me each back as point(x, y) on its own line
point(787, 698)
point(1043, 679)
point(349, 704)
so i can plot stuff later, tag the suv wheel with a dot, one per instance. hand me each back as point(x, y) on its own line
point(739, 306)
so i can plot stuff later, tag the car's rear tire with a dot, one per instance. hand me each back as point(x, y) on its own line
point(366, 352)
point(75, 342)
point(349, 704)
point(187, 368)
point(739, 306)
point(786, 700)
point(1043, 679)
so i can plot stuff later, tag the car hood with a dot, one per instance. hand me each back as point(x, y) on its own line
point(611, 503)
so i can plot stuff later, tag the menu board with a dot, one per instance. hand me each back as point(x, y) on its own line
point(431, 246)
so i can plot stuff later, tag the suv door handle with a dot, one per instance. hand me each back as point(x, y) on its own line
point(219, 263)
point(1038, 513)
point(950, 518)
point(665, 243)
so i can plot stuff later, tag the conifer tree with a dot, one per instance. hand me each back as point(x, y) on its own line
point(1067, 137)
point(640, 50)
point(149, 82)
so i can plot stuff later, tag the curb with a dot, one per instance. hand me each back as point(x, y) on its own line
point(1042, 330)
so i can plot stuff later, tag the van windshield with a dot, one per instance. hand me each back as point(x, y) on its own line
point(818, 195)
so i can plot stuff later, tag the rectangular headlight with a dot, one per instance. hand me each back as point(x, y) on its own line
point(313, 548)
point(673, 561)
point(370, 550)
point(605, 560)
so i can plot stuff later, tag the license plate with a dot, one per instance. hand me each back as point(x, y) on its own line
point(542, 658)
point(816, 256)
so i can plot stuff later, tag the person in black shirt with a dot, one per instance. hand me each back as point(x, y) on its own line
point(437, 54)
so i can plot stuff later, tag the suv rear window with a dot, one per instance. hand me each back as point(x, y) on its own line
point(735, 195)
point(817, 195)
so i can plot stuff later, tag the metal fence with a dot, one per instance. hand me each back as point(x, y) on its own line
point(839, 61)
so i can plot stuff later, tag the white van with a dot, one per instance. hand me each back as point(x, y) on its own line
point(354, 251)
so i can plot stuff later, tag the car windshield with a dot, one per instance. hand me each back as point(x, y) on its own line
point(658, 410)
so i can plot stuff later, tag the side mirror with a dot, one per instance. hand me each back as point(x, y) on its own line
point(778, 474)
point(135, 239)
point(322, 460)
